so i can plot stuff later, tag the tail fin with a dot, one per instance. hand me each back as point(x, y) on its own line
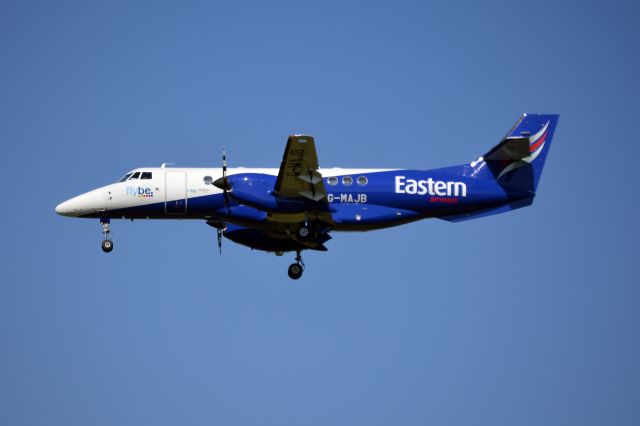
point(517, 161)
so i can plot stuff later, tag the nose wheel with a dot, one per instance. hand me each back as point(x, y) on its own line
point(107, 246)
point(107, 243)
point(296, 269)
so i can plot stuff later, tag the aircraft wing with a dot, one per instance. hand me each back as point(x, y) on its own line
point(299, 175)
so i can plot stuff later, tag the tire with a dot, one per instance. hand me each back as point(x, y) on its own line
point(107, 246)
point(295, 271)
point(303, 233)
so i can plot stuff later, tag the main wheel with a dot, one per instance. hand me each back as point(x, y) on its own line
point(107, 246)
point(303, 232)
point(295, 271)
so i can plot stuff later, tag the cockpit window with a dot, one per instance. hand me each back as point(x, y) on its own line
point(136, 175)
point(145, 175)
point(125, 177)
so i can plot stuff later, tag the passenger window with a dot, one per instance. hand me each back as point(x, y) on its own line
point(136, 175)
point(347, 180)
point(362, 180)
point(333, 181)
point(145, 175)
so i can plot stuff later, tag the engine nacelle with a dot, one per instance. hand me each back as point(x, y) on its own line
point(257, 190)
point(259, 240)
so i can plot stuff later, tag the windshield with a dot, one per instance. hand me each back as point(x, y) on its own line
point(125, 177)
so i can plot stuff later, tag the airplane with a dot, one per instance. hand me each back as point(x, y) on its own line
point(297, 206)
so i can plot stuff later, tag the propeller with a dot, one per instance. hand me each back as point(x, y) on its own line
point(223, 183)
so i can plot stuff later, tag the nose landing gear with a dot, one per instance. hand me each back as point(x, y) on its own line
point(296, 269)
point(107, 243)
point(107, 246)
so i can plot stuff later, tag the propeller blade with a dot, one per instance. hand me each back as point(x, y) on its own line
point(224, 163)
point(225, 181)
point(220, 240)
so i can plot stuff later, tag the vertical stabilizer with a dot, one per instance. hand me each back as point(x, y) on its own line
point(517, 161)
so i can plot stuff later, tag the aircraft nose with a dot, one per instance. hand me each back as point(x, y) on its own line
point(63, 208)
point(84, 204)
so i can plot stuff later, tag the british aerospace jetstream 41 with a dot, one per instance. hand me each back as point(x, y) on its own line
point(297, 206)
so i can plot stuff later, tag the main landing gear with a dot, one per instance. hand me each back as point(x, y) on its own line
point(107, 243)
point(296, 269)
point(304, 232)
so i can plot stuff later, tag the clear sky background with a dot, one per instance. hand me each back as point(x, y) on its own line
point(526, 318)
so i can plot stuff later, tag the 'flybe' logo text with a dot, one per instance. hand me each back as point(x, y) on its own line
point(139, 192)
point(430, 187)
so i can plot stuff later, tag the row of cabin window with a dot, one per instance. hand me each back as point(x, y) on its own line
point(347, 180)
point(136, 175)
point(332, 181)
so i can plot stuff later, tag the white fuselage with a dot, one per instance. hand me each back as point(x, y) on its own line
point(162, 188)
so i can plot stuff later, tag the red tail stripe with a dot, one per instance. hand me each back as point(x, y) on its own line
point(539, 142)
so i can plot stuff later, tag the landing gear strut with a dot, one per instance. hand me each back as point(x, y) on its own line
point(296, 269)
point(107, 244)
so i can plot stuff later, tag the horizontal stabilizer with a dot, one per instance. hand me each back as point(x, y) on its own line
point(510, 149)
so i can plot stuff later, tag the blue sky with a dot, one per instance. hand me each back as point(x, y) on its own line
point(526, 318)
